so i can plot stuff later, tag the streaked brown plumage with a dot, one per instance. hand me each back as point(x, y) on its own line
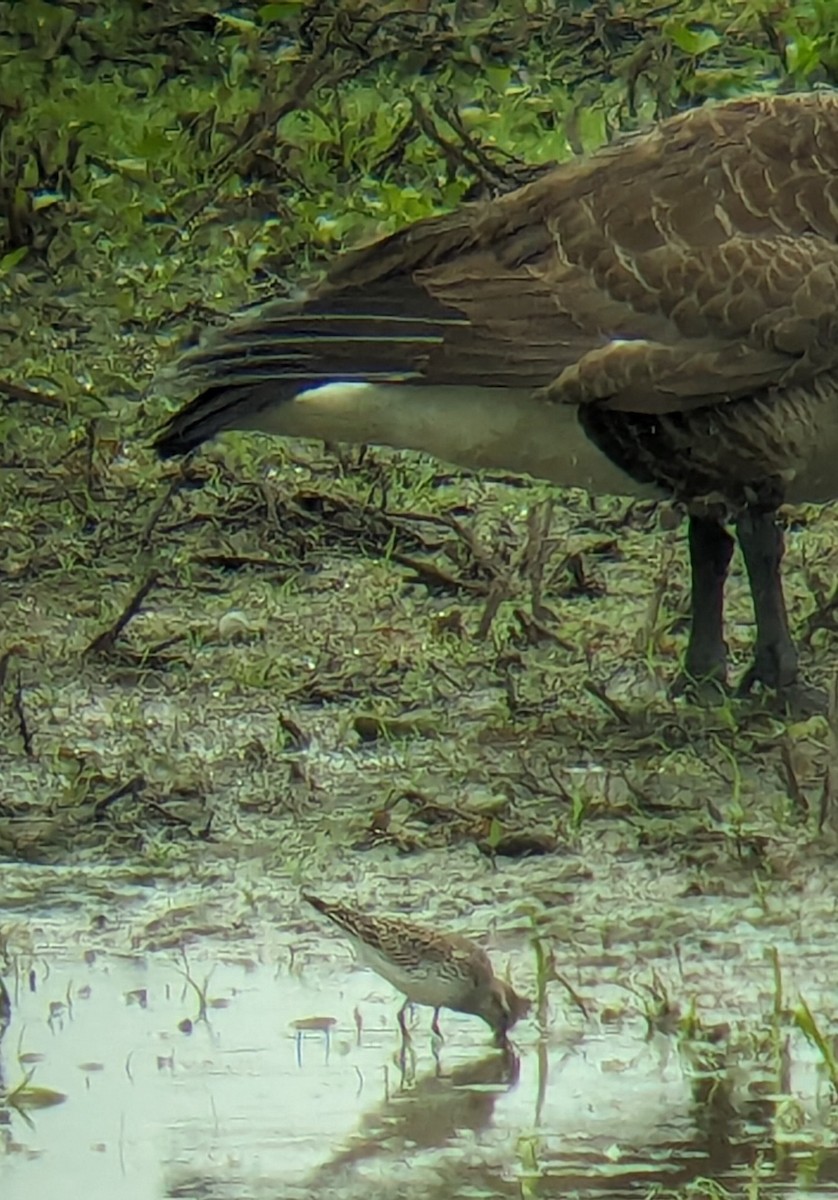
point(659, 317)
point(441, 970)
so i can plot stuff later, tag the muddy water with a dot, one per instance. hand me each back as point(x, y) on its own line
point(215, 1075)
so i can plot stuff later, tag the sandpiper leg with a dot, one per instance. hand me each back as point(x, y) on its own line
point(402, 1023)
point(435, 1025)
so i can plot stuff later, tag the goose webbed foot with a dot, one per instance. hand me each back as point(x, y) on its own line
point(794, 698)
point(709, 690)
point(803, 700)
point(775, 664)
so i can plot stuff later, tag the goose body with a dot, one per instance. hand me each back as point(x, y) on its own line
point(660, 318)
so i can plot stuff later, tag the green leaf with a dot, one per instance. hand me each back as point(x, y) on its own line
point(133, 168)
point(237, 23)
point(35, 1097)
point(42, 200)
point(280, 12)
point(9, 261)
point(803, 55)
point(592, 127)
point(692, 41)
point(498, 77)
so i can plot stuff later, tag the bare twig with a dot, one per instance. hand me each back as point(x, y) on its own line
point(23, 724)
point(22, 395)
point(104, 643)
point(132, 788)
point(605, 700)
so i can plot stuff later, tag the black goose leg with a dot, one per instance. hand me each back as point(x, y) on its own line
point(711, 547)
point(775, 655)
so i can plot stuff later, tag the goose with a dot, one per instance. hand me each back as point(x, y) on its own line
point(658, 318)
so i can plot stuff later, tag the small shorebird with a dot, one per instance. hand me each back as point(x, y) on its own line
point(441, 970)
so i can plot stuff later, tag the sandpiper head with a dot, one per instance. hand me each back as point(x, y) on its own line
point(501, 1007)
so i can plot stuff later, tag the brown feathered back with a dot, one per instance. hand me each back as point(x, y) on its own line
point(706, 249)
point(672, 270)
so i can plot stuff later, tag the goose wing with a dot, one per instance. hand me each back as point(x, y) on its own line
point(673, 269)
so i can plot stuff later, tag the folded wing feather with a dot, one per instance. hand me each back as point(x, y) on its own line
point(679, 268)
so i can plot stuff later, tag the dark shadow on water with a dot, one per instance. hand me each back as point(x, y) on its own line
point(432, 1113)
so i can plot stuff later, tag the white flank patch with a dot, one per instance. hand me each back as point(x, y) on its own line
point(337, 393)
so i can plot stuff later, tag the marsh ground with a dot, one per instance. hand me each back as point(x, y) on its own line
point(440, 696)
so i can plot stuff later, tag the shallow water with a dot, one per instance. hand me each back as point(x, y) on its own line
point(161, 1101)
